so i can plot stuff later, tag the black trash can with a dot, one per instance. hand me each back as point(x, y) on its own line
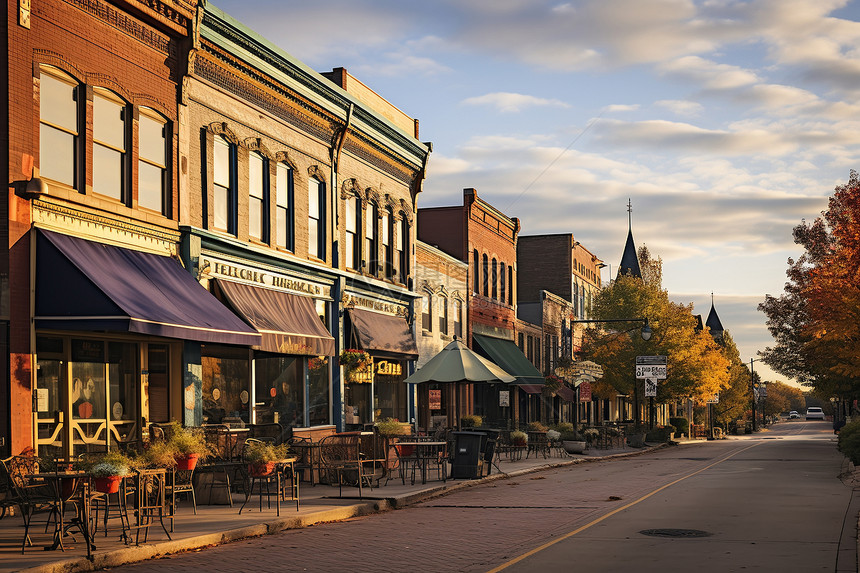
point(467, 455)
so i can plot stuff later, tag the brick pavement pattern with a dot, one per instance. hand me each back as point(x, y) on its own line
point(469, 530)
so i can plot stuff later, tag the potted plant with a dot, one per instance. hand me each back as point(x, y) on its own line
point(591, 435)
point(573, 442)
point(109, 470)
point(471, 421)
point(261, 457)
point(189, 445)
point(519, 438)
point(389, 427)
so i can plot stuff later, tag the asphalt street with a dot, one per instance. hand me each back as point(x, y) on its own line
point(769, 502)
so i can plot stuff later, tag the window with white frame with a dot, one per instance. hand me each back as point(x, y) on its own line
point(371, 237)
point(284, 206)
point(458, 318)
point(443, 315)
point(258, 185)
point(401, 246)
point(387, 244)
point(426, 311)
point(316, 218)
point(224, 183)
point(152, 181)
point(110, 134)
point(59, 125)
point(352, 252)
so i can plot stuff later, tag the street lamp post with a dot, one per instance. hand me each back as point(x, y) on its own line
point(752, 387)
point(645, 333)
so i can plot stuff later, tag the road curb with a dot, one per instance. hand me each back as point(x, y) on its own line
point(135, 554)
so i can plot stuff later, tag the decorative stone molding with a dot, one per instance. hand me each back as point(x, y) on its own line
point(256, 144)
point(129, 25)
point(221, 128)
point(351, 188)
point(284, 157)
point(315, 172)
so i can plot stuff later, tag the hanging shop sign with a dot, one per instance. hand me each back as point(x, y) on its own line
point(504, 398)
point(211, 267)
point(386, 368)
point(585, 392)
point(435, 399)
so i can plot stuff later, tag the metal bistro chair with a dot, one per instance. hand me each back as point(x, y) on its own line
point(223, 467)
point(341, 460)
point(31, 497)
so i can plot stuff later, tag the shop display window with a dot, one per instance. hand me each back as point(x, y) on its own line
point(226, 372)
point(279, 390)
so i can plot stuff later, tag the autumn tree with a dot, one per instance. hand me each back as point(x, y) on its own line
point(697, 367)
point(782, 398)
point(736, 396)
point(816, 321)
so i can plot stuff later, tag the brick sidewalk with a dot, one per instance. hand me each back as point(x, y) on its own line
point(219, 524)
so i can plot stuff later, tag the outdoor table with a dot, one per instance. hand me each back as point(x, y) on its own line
point(280, 468)
point(423, 451)
point(77, 483)
point(309, 457)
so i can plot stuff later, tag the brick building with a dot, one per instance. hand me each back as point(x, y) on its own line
point(441, 281)
point(486, 239)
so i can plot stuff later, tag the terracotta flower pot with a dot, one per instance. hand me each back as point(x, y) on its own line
point(261, 469)
point(107, 484)
point(186, 462)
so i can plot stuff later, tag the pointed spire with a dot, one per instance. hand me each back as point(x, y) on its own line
point(713, 323)
point(629, 260)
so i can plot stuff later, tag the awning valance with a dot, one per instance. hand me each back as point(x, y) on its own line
point(383, 334)
point(566, 394)
point(84, 285)
point(530, 388)
point(507, 355)
point(289, 323)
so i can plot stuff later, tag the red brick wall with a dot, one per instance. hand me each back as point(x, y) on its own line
point(544, 263)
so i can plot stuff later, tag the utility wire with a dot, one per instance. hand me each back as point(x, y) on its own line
point(551, 163)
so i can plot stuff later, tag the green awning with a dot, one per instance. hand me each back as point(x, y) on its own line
point(507, 355)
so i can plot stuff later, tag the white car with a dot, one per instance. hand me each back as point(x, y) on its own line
point(814, 414)
point(793, 414)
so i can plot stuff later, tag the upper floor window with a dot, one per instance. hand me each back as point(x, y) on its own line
point(485, 275)
point(110, 134)
point(476, 272)
point(353, 222)
point(316, 218)
point(59, 126)
point(224, 164)
point(284, 206)
point(458, 318)
point(258, 186)
point(371, 238)
point(495, 293)
point(152, 182)
point(387, 243)
point(426, 311)
point(502, 282)
point(400, 249)
point(511, 285)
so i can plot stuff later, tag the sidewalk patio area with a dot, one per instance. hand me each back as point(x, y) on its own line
point(215, 524)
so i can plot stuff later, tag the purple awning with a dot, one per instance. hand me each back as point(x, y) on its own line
point(84, 285)
point(383, 334)
point(566, 394)
point(289, 323)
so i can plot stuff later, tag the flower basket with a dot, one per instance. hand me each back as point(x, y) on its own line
point(186, 462)
point(261, 469)
point(107, 484)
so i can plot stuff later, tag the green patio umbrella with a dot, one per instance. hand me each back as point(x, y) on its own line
point(455, 364)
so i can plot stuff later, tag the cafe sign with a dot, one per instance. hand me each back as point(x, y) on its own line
point(386, 368)
point(216, 268)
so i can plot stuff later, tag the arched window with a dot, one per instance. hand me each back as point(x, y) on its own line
point(59, 116)
point(495, 291)
point(511, 285)
point(502, 296)
point(486, 275)
point(443, 315)
point(458, 318)
point(110, 156)
point(476, 272)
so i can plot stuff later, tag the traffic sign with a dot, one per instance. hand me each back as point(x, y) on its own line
point(651, 367)
point(715, 399)
point(650, 387)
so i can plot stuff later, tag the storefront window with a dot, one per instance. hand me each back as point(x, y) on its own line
point(122, 376)
point(225, 385)
point(357, 404)
point(279, 390)
point(49, 393)
point(318, 394)
point(390, 389)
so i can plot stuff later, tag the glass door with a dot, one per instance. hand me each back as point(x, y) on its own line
point(50, 395)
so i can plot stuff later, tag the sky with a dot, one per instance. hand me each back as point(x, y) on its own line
point(724, 122)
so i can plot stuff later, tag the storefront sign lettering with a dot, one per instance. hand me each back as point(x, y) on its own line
point(386, 368)
point(435, 399)
point(221, 269)
point(350, 300)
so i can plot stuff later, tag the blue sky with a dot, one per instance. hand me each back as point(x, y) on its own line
point(725, 122)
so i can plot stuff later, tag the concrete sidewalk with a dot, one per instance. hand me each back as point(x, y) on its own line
point(214, 525)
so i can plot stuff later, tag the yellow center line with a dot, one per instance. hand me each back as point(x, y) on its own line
point(613, 512)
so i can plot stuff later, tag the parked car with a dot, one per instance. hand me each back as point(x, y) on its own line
point(793, 414)
point(814, 414)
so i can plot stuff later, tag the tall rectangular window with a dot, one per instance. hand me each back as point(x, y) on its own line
point(476, 272)
point(316, 218)
point(502, 296)
point(426, 312)
point(58, 129)
point(352, 247)
point(401, 245)
point(458, 318)
point(109, 145)
point(387, 254)
point(258, 186)
point(443, 315)
point(371, 236)
point(511, 285)
point(284, 206)
point(224, 183)
point(152, 163)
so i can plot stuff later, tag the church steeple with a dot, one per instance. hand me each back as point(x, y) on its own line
point(713, 323)
point(629, 260)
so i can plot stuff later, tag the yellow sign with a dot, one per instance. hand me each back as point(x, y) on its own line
point(386, 368)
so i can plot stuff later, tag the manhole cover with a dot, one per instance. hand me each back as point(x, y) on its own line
point(675, 533)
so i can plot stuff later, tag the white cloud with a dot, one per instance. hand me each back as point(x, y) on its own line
point(619, 108)
point(707, 74)
point(507, 102)
point(682, 108)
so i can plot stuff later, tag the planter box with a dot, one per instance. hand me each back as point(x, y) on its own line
point(573, 447)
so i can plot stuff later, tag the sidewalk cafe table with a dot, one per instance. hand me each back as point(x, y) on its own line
point(279, 474)
point(422, 453)
point(74, 487)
